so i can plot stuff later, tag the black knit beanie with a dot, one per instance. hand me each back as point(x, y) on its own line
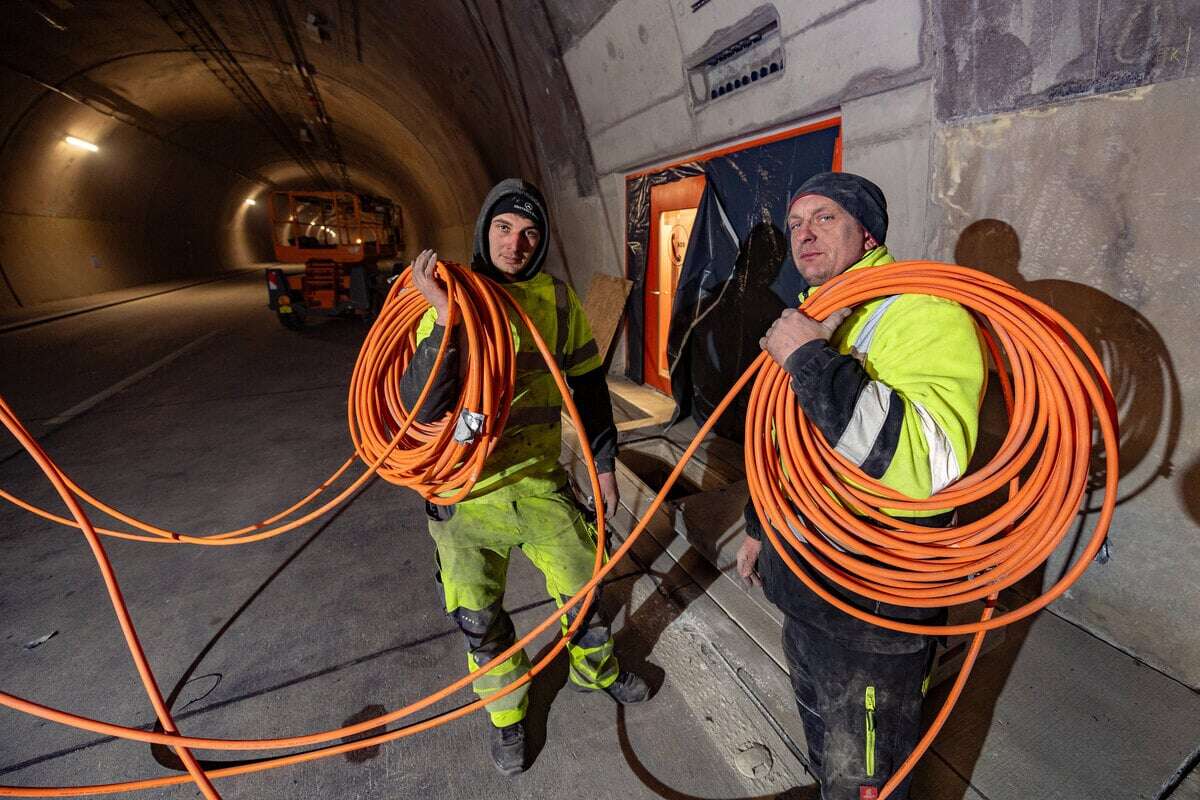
point(516, 204)
point(862, 199)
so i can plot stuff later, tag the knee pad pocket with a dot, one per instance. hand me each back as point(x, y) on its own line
point(489, 630)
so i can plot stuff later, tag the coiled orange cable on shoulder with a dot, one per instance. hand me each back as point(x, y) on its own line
point(1056, 389)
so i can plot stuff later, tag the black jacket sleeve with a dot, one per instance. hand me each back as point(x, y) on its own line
point(754, 528)
point(444, 391)
point(590, 392)
point(828, 386)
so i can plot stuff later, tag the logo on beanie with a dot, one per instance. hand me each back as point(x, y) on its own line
point(513, 204)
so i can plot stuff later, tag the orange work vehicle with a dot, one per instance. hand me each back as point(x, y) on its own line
point(340, 238)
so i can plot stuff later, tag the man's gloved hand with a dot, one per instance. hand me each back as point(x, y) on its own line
point(794, 329)
point(747, 561)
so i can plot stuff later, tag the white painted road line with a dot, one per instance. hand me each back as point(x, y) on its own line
point(100, 397)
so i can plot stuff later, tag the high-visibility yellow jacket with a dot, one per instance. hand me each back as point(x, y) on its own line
point(897, 389)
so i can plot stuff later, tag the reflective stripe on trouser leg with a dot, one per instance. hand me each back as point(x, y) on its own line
point(562, 545)
point(489, 632)
point(593, 660)
point(512, 707)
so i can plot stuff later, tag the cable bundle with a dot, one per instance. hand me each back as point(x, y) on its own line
point(426, 457)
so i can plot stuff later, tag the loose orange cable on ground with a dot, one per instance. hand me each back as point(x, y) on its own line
point(1056, 387)
point(407, 309)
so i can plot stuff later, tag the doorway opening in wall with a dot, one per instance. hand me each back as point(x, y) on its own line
point(708, 257)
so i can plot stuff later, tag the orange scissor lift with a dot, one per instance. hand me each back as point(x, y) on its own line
point(340, 238)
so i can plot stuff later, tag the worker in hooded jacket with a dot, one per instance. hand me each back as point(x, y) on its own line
point(522, 498)
point(894, 386)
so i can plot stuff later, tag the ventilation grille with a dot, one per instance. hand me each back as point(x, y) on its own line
point(737, 57)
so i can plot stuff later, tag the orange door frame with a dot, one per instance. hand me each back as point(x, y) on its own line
point(673, 196)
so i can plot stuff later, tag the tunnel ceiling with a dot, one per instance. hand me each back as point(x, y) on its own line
point(206, 97)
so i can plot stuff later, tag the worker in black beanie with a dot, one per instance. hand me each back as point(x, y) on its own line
point(895, 388)
point(521, 498)
point(862, 199)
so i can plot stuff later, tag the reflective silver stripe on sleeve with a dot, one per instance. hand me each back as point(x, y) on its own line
point(943, 463)
point(870, 412)
point(862, 342)
point(871, 408)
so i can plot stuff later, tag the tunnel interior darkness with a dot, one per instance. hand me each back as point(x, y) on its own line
point(196, 105)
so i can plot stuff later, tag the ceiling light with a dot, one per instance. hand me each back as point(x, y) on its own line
point(81, 144)
point(250, 201)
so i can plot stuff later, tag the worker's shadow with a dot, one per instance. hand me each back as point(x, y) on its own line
point(1189, 490)
point(711, 351)
point(1144, 382)
point(642, 624)
point(1147, 393)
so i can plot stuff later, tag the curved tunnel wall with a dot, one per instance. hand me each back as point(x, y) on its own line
point(421, 114)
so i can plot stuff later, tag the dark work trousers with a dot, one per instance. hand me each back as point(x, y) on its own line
point(859, 686)
point(860, 700)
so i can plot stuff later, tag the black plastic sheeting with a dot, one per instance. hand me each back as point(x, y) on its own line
point(738, 274)
point(637, 245)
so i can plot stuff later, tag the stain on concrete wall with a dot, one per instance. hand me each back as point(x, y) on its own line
point(1075, 204)
point(1001, 55)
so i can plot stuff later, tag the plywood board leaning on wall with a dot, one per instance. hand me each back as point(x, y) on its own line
point(604, 306)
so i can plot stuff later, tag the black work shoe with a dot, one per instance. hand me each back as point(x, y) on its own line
point(627, 689)
point(508, 748)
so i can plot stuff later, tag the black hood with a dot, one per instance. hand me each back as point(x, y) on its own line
point(481, 257)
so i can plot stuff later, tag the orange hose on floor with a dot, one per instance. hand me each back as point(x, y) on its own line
point(374, 391)
point(1053, 395)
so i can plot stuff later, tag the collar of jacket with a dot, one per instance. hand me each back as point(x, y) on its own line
point(876, 257)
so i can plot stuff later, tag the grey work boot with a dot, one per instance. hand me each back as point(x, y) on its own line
point(508, 748)
point(627, 689)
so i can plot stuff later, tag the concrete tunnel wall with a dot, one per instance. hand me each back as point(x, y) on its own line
point(1046, 142)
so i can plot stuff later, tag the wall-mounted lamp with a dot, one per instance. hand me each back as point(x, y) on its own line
point(250, 201)
point(81, 144)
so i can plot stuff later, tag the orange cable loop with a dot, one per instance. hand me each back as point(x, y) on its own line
point(1053, 386)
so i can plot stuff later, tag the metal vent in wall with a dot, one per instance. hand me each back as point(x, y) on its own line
point(737, 57)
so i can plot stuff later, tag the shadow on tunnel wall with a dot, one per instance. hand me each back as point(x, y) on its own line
point(1144, 382)
point(1189, 490)
point(1147, 394)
